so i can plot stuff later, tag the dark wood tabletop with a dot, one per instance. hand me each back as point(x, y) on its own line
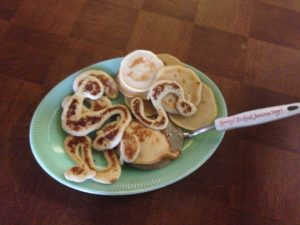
point(250, 49)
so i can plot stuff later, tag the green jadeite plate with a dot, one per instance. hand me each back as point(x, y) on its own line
point(47, 137)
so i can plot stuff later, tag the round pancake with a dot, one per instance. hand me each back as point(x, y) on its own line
point(206, 112)
point(154, 147)
point(189, 81)
point(169, 60)
point(149, 110)
point(137, 72)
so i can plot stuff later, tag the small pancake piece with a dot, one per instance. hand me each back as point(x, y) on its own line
point(154, 145)
point(129, 147)
point(189, 81)
point(206, 112)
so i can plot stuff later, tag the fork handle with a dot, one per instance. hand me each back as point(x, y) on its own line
point(258, 116)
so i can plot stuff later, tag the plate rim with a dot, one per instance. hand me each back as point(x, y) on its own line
point(125, 192)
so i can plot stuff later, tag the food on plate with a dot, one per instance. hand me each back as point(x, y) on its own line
point(111, 134)
point(206, 112)
point(77, 122)
point(156, 87)
point(149, 110)
point(82, 170)
point(112, 172)
point(92, 105)
point(79, 150)
point(189, 81)
point(110, 85)
point(129, 147)
point(137, 72)
point(97, 105)
point(157, 91)
point(168, 102)
point(151, 147)
point(169, 60)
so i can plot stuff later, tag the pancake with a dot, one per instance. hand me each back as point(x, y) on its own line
point(156, 93)
point(153, 145)
point(137, 72)
point(129, 147)
point(189, 81)
point(79, 149)
point(170, 60)
point(112, 172)
point(206, 112)
point(109, 84)
point(149, 110)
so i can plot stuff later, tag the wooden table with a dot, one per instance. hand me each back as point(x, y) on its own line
point(251, 49)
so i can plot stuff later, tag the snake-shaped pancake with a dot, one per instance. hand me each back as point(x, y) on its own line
point(78, 122)
point(93, 105)
point(157, 91)
point(110, 85)
point(80, 151)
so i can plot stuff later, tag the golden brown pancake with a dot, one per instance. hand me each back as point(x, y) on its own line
point(189, 81)
point(154, 145)
point(148, 107)
point(206, 112)
point(79, 149)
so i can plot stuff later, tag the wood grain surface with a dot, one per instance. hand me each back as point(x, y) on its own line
point(251, 49)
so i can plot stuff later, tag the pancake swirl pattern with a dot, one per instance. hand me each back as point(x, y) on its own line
point(80, 151)
point(156, 93)
point(79, 122)
point(110, 86)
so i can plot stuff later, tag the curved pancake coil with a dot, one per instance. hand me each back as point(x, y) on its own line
point(78, 121)
point(157, 91)
point(110, 85)
point(80, 151)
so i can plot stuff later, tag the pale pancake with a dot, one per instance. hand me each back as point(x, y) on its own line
point(137, 72)
point(169, 102)
point(189, 81)
point(149, 110)
point(79, 149)
point(169, 60)
point(129, 147)
point(154, 145)
point(206, 112)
